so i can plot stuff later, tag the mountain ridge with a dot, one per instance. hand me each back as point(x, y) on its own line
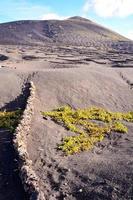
point(76, 31)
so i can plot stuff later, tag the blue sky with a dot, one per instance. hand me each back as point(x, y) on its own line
point(114, 14)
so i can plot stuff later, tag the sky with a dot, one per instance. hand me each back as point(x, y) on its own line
point(113, 14)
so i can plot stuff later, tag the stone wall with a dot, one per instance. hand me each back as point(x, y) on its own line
point(27, 174)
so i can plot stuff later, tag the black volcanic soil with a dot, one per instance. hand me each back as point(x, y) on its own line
point(100, 74)
point(10, 184)
point(98, 174)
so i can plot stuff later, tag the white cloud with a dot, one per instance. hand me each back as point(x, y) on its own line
point(129, 34)
point(48, 16)
point(109, 8)
point(86, 8)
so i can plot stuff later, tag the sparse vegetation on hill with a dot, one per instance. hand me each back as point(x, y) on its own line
point(9, 120)
point(90, 124)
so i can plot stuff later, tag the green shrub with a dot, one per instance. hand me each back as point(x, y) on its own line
point(9, 120)
point(119, 127)
point(85, 122)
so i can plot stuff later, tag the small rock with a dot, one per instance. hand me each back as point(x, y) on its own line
point(99, 180)
point(80, 190)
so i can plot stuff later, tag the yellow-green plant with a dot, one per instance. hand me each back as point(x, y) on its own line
point(90, 124)
point(9, 120)
point(119, 127)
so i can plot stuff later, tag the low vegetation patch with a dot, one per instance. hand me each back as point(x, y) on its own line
point(90, 125)
point(9, 120)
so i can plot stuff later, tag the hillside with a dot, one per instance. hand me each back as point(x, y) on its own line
point(82, 74)
point(73, 31)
